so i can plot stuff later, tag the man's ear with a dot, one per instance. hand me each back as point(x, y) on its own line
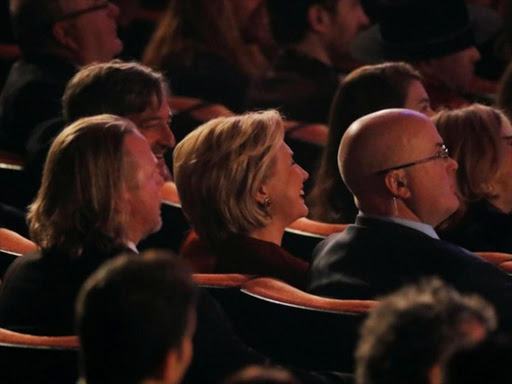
point(62, 33)
point(319, 18)
point(396, 182)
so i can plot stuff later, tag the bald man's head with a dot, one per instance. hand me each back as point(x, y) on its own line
point(393, 138)
point(378, 141)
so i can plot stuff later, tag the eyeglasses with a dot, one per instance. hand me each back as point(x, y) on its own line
point(442, 154)
point(92, 8)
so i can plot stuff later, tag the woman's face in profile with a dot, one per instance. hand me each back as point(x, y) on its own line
point(417, 98)
point(285, 188)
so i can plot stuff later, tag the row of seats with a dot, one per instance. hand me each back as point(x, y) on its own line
point(261, 308)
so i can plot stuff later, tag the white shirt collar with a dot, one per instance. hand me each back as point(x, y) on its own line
point(422, 227)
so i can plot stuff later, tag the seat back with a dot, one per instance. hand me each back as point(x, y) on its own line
point(12, 246)
point(225, 289)
point(500, 259)
point(296, 328)
point(303, 235)
point(38, 359)
point(13, 179)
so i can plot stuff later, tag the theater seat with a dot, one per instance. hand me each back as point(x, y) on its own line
point(299, 329)
point(278, 291)
point(13, 179)
point(37, 359)
point(500, 259)
point(303, 235)
point(12, 246)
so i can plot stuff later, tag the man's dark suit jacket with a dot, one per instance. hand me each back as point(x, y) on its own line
point(32, 94)
point(38, 292)
point(375, 257)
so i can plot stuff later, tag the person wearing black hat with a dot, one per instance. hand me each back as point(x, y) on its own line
point(439, 37)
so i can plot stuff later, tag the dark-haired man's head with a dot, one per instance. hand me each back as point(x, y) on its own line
point(136, 320)
point(412, 332)
point(130, 90)
point(319, 28)
point(83, 31)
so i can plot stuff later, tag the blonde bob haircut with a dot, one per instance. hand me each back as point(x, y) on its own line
point(83, 179)
point(218, 169)
point(473, 137)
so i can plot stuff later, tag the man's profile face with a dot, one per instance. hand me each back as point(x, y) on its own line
point(154, 125)
point(456, 70)
point(142, 193)
point(432, 184)
point(94, 32)
point(347, 20)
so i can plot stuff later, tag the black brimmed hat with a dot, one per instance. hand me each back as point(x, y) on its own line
point(423, 29)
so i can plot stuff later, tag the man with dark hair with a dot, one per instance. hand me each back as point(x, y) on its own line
point(136, 320)
point(55, 37)
point(130, 90)
point(412, 332)
point(316, 36)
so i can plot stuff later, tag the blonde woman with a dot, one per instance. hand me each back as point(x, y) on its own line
point(240, 188)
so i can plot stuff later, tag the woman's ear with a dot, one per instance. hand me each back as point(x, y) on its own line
point(396, 182)
point(262, 194)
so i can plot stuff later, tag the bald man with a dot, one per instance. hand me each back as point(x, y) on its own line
point(403, 181)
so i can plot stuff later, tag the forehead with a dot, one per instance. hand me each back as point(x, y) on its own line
point(154, 110)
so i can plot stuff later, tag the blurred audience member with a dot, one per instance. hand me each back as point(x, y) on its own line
point(403, 180)
point(315, 36)
point(200, 43)
point(437, 37)
point(130, 90)
point(480, 141)
point(55, 37)
point(136, 319)
point(240, 188)
point(365, 90)
point(486, 362)
point(100, 195)
point(262, 375)
point(411, 333)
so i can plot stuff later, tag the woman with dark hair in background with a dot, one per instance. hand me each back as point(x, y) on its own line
point(365, 90)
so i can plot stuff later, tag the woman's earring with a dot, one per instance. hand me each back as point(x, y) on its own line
point(267, 202)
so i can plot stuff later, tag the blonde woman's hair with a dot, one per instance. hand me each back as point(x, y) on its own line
point(472, 135)
point(218, 169)
point(83, 178)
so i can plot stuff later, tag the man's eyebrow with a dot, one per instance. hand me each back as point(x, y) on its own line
point(150, 118)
